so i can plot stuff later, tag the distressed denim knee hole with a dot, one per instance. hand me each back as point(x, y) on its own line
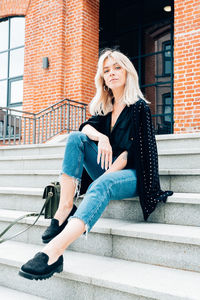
point(77, 184)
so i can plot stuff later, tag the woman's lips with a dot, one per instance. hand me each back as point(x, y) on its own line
point(113, 79)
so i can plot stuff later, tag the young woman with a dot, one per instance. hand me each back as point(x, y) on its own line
point(117, 148)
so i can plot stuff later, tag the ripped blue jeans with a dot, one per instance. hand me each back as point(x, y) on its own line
point(81, 151)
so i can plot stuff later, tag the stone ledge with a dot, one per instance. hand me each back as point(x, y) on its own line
point(131, 277)
point(7, 294)
point(145, 230)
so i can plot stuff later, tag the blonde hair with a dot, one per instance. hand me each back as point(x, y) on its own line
point(102, 104)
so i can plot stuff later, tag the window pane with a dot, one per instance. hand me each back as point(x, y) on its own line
point(16, 62)
point(3, 93)
point(168, 100)
point(168, 53)
point(16, 91)
point(4, 35)
point(1, 125)
point(17, 32)
point(167, 110)
point(4, 65)
point(167, 67)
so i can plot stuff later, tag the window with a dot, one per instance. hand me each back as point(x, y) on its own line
point(166, 58)
point(167, 109)
point(12, 31)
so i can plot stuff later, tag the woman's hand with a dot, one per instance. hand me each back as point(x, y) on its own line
point(104, 152)
point(119, 163)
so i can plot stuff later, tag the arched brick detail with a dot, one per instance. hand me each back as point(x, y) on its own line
point(10, 8)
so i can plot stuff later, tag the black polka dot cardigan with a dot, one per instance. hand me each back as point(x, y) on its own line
point(143, 149)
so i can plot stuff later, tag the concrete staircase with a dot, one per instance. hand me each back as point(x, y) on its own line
point(124, 257)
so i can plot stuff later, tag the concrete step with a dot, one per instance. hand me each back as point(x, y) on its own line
point(32, 162)
point(21, 198)
point(180, 208)
point(88, 277)
point(36, 149)
point(10, 294)
point(180, 180)
point(168, 159)
point(165, 141)
point(178, 141)
point(177, 180)
point(28, 178)
point(184, 158)
point(152, 243)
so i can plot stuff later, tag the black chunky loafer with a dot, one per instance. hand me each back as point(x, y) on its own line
point(54, 228)
point(38, 268)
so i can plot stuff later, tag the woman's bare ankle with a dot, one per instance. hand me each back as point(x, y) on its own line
point(53, 254)
point(62, 213)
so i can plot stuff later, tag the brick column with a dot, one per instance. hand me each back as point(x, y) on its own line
point(82, 46)
point(187, 66)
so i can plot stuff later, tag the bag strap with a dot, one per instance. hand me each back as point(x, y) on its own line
point(50, 195)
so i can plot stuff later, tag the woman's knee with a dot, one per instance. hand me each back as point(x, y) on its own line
point(76, 136)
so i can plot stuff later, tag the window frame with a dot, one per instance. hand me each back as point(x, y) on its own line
point(8, 50)
point(164, 96)
point(164, 44)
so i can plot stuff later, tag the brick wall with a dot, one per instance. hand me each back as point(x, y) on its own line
point(67, 32)
point(187, 66)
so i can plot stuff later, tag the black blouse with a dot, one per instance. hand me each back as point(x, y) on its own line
point(134, 132)
point(120, 137)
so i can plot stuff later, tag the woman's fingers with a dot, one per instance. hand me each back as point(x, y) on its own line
point(110, 159)
point(102, 159)
point(104, 152)
point(106, 160)
point(99, 155)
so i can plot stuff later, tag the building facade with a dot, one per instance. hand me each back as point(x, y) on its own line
point(50, 51)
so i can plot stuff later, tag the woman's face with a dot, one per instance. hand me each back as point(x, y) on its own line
point(114, 75)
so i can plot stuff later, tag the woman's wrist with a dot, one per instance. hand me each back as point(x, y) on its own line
point(119, 164)
point(102, 137)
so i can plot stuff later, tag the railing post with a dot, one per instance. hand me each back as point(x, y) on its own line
point(34, 130)
point(84, 114)
point(20, 129)
point(5, 127)
point(15, 125)
point(9, 127)
point(68, 115)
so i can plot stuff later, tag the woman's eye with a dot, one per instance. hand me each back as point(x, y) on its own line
point(106, 71)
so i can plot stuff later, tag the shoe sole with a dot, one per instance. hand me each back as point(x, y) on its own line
point(40, 277)
point(47, 241)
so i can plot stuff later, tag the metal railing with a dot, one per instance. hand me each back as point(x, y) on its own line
point(20, 127)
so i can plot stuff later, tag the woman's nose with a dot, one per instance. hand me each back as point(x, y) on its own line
point(112, 71)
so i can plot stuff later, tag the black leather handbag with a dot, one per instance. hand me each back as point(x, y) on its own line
point(51, 195)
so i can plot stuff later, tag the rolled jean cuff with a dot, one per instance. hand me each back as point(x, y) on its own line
point(87, 228)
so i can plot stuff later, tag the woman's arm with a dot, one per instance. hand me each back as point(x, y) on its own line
point(92, 133)
point(119, 163)
point(104, 147)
